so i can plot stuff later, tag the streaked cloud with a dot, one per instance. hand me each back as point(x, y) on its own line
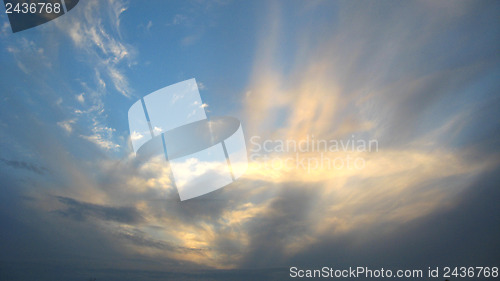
point(97, 35)
point(81, 210)
point(24, 165)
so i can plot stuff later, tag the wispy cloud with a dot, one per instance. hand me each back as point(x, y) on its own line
point(28, 55)
point(67, 125)
point(89, 31)
point(102, 136)
point(97, 35)
point(178, 19)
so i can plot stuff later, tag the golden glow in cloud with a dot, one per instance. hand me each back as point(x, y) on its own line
point(396, 183)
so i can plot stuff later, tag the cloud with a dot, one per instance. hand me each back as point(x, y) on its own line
point(5, 28)
point(80, 210)
point(80, 98)
point(100, 141)
point(91, 35)
point(96, 34)
point(190, 39)
point(201, 86)
point(28, 55)
point(67, 125)
point(351, 82)
point(102, 136)
point(377, 72)
point(178, 19)
point(387, 244)
point(25, 166)
point(119, 80)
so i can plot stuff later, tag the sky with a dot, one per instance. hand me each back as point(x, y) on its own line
point(421, 78)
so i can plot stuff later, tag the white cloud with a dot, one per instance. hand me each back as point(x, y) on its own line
point(89, 31)
point(103, 143)
point(80, 98)
point(119, 81)
point(67, 125)
point(94, 29)
point(157, 130)
point(101, 82)
point(102, 136)
point(136, 136)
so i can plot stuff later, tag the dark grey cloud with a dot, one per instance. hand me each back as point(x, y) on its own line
point(209, 207)
point(25, 166)
point(286, 220)
point(80, 211)
point(140, 238)
point(463, 233)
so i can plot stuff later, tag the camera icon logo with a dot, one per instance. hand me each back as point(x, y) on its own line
point(204, 154)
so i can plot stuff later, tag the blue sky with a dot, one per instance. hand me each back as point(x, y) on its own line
point(420, 77)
